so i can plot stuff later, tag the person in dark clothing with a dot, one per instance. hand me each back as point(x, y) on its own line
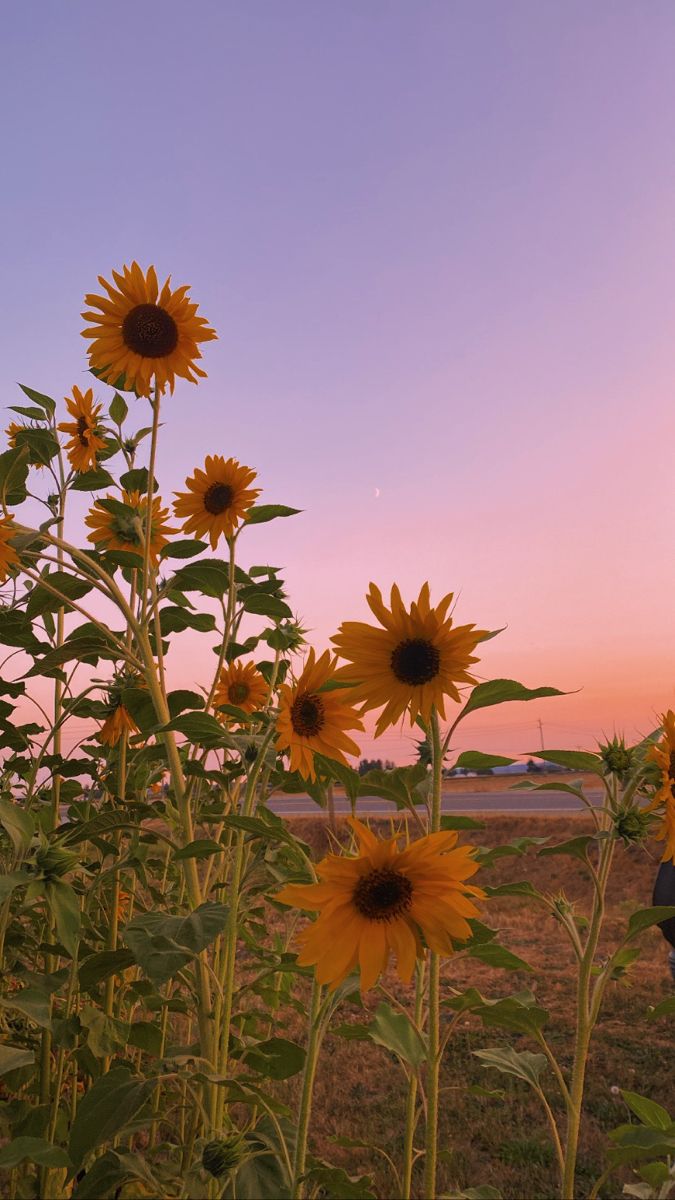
point(664, 893)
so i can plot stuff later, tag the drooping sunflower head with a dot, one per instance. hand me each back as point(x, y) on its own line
point(313, 720)
point(384, 900)
point(120, 721)
point(120, 525)
point(412, 662)
point(242, 686)
point(9, 558)
point(85, 440)
point(217, 499)
point(143, 334)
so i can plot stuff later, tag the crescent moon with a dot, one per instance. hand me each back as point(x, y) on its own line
point(377, 493)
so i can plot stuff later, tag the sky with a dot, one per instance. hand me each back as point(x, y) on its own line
point(438, 244)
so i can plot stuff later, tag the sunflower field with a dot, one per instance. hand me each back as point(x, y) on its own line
point(174, 953)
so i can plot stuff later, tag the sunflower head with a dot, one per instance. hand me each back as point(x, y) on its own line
point(9, 558)
point(217, 498)
point(120, 525)
point(85, 441)
point(313, 720)
point(411, 662)
point(663, 754)
point(385, 900)
point(143, 334)
point(241, 686)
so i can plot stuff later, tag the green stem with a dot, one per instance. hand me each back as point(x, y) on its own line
point(309, 1074)
point(433, 1031)
point(586, 1018)
point(411, 1100)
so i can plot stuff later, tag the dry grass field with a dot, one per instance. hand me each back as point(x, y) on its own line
point(360, 1092)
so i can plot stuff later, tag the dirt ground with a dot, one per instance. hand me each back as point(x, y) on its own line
point(505, 1141)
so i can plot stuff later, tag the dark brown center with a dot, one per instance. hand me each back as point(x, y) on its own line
point(383, 895)
point(217, 498)
point(307, 715)
point(82, 429)
point(415, 661)
point(150, 331)
point(238, 692)
point(671, 767)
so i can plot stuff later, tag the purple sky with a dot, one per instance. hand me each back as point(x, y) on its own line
point(437, 241)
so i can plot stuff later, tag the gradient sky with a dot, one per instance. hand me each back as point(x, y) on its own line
point(438, 243)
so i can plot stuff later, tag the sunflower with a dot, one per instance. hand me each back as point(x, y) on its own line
point(122, 528)
point(84, 441)
point(218, 498)
point(384, 899)
point(664, 755)
point(412, 663)
point(242, 686)
point(8, 555)
point(312, 721)
point(143, 335)
point(118, 722)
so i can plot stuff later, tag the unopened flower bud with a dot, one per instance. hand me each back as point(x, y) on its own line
point(221, 1155)
point(631, 825)
point(617, 758)
point(54, 861)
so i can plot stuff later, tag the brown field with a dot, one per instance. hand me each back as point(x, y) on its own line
point(360, 1091)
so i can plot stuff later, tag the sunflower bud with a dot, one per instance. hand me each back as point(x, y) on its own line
point(632, 825)
point(617, 758)
point(54, 861)
point(221, 1155)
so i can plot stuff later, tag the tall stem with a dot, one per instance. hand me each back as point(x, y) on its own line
point(585, 1021)
point(411, 1100)
point(309, 1074)
point(433, 1031)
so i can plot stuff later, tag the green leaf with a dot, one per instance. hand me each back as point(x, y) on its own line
point(102, 965)
point(645, 917)
point(347, 776)
point(336, 1183)
point(494, 955)
point(18, 824)
point(45, 402)
point(276, 1058)
point(576, 847)
point(665, 1009)
point(260, 513)
point(499, 691)
point(92, 481)
point(521, 887)
point(43, 600)
point(14, 466)
point(65, 909)
point(523, 1064)
point(118, 409)
point(35, 1150)
point(13, 1057)
point(162, 944)
point(106, 1035)
point(11, 881)
point(453, 821)
point(201, 729)
point(183, 548)
point(173, 619)
point(200, 848)
point(395, 1031)
point(210, 576)
point(136, 480)
point(32, 1003)
point(647, 1111)
point(576, 760)
point(398, 785)
point(146, 1036)
point(113, 1100)
point(261, 604)
point(475, 760)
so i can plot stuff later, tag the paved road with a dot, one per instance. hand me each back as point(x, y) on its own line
point(456, 802)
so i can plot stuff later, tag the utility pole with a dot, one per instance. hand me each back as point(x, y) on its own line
point(541, 733)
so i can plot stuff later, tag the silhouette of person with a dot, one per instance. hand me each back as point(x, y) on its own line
point(664, 893)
